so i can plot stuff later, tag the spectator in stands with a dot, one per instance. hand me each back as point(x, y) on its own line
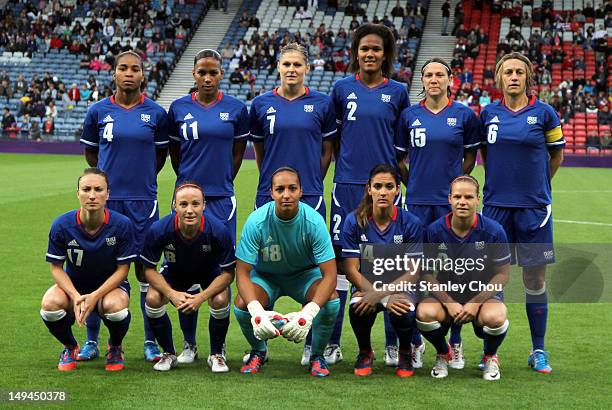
point(445, 16)
point(162, 67)
point(6, 90)
point(589, 11)
point(35, 130)
point(94, 25)
point(244, 19)
point(398, 10)
point(413, 31)
point(8, 119)
point(236, 77)
point(484, 99)
point(254, 21)
point(49, 126)
point(603, 115)
point(419, 10)
point(95, 94)
point(318, 63)
point(354, 23)
point(51, 110)
point(74, 94)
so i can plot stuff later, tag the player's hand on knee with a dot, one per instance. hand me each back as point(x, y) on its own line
point(469, 312)
point(263, 329)
point(300, 323)
point(454, 309)
point(399, 304)
point(367, 301)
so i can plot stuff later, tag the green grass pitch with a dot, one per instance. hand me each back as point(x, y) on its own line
point(34, 189)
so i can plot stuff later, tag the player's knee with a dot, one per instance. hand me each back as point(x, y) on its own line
point(329, 311)
point(54, 299)
point(534, 277)
point(428, 312)
point(220, 300)
point(492, 318)
point(113, 303)
point(154, 298)
point(239, 303)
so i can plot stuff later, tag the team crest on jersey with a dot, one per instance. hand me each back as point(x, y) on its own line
point(480, 245)
point(548, 255)
point(363, 238)
point(398, 239)
point(442, 247)
point(145, 117)
point(111, 241)
point(224, 116)
point(308, 108)
point(108, 118)
point(206, 248)
point(385, 98)
point(271, 110)
point(532, 120)
point(451, 121)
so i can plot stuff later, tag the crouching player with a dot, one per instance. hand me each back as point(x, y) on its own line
point(97, 246)
point(285, 250)
point(378, 221)
point(460, 237)
point(198, 249)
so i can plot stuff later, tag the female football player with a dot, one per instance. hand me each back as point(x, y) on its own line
point(523, 149)
point(285, 250)
point(90, 251)
point(208, 135)
point(463, 235)
point(367, 105)
point(126, 135)
point(442, 137)
point(199, 253)
point(377, 220)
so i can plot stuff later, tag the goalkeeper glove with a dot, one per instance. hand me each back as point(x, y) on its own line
point(263, 329)
point(300, 322)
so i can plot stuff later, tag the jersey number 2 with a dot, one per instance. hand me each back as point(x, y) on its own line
point(352, 107)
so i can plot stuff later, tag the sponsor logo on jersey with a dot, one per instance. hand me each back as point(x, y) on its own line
point(442, 247)
point(73, 243)
point(495, 120)
point(416, 123)
point(385, 98)
point(398, 239)
point(480, 245)
point(351, 96)
point(336, 238)
point(188, 117)
point(308, 108)
point(145, 117)
point(451, 121)
point(269, 239)
point(108, 118)
point(224, 116)
point(271, 110)
point(111, 241)
point(364, 238)
point(170, 247)
point(206, 248)
point(532, 120)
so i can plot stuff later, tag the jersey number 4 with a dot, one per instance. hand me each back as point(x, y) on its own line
point(108, 132)
point(417, 137)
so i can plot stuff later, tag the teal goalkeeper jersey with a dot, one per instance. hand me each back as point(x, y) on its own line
point(285, 248)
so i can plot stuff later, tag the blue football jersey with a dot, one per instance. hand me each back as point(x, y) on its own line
point(91, 259)
point(206, 135)
point(292, 133)
point(285, 248)
point(436, 144)
point(485, 245)
point(368, 123)
point(189, 261)
point(403, 228)
point(127, 141)
point(517, 171)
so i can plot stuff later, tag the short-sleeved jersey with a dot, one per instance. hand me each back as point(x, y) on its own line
point(368, 122)
point(285, 248)
point(206, 135)
point(292, 133)
point(486, 242)
point(91, 259)
point(436, 146)
point(189, 261)
point(403, 228)
point(517, 172)
point(127, 140)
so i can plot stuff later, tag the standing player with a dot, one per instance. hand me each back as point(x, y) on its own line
point(377, 220)
point(296, 125)
point(198, 249)
point(97, 247)
point(464, 238)
point(208, 135)
point(126, 135)
point(523, 149)
point(442, 137)
point(368, 105)
point(285, 250)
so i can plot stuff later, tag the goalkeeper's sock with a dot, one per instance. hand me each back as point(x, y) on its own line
point(244, 320)
point(390, 335)
point(323, 325)
point(362, 326)
point(537, 314)
point(337, 332)
point(161, 326)
point(189, 325)
point(435, 333)
point(92, 324)
point(404, 326)
point(217, 328)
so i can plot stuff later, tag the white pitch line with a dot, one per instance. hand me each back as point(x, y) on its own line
point(565, 221)
point(562, 191)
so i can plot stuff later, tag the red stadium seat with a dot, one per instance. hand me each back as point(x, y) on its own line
point(580, 151)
